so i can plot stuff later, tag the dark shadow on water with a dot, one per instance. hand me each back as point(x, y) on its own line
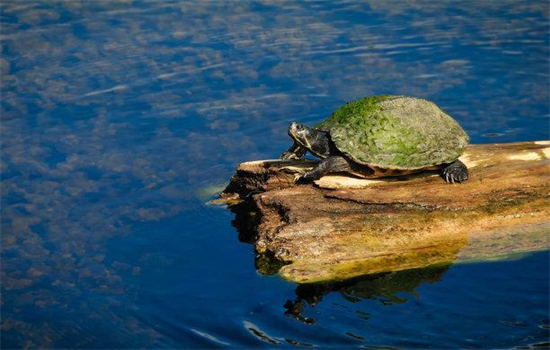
point(384, 287)
point(246, 221)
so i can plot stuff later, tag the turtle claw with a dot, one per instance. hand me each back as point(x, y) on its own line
point(449, 178)
point(302, 179)
point(455, 172)
point(288, 156)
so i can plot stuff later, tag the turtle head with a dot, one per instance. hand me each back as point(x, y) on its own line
point(315, 141)
point(302, 134)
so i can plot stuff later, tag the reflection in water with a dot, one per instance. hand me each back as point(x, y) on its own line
point(381, 287)
point(116, 116)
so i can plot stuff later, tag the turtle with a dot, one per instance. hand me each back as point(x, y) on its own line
point(383, 135)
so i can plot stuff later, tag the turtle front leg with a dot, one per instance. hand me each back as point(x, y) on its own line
point(454, 172)
point(329, 165)
point(296, 151)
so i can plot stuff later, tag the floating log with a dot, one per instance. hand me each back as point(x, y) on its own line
point(342, 227)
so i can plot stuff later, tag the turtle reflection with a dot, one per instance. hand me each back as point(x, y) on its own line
point(383, 287)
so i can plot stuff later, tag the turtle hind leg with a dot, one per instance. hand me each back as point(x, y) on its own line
point(328, 165)
point(454, 172)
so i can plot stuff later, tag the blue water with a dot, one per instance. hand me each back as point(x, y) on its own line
point(120, 119)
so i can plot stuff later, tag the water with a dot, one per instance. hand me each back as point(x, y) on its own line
point(120, 119)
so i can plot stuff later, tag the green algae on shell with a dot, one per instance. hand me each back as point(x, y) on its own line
point(396, 132)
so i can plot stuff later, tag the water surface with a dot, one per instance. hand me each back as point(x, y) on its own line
point(120, 119)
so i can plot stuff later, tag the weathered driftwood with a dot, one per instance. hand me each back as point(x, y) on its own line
point(344, 227)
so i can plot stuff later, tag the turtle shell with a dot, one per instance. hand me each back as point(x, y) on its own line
point(396, 132)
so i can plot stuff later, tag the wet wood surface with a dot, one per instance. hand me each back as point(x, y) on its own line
point(342, 227)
